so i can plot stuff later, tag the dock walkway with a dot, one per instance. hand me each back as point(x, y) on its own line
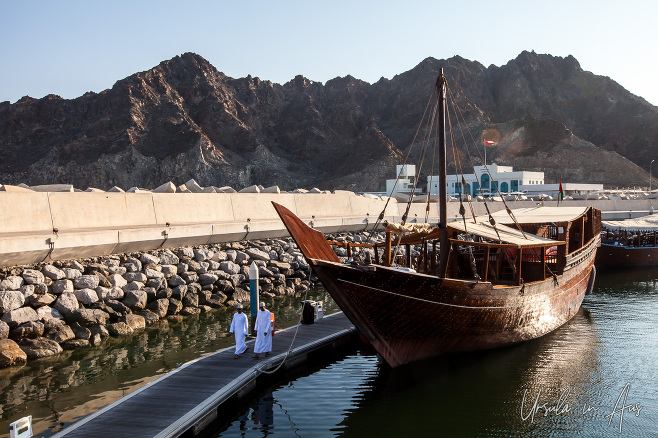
point(188, 398)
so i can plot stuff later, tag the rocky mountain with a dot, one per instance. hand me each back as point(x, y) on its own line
point(184, 119)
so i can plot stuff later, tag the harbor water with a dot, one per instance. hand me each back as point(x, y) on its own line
point(593, 377)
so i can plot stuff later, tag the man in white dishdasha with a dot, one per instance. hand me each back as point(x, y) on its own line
point(263, 336)
point(239, 326)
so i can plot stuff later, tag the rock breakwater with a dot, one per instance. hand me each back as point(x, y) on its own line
point(71, 304)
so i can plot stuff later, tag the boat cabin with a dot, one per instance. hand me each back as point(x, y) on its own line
point(540, 244)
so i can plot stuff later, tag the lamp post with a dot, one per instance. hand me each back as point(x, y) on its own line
point(651, 164)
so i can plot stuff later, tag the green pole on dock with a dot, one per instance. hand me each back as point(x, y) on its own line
point(253, 289)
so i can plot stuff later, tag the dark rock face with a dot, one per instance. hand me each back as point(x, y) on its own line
point(184, 119)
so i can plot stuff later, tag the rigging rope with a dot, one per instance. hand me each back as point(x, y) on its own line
point(486, 168)
point(381, 215)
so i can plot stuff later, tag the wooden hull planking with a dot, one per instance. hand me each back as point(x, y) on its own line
point(410, 316)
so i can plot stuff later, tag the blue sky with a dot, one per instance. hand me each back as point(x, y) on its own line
point(69, 47)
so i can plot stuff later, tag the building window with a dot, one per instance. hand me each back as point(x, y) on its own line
point(485, 181)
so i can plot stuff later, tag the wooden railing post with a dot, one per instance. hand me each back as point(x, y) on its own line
point(387, 249)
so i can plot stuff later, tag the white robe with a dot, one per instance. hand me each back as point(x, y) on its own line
point(239, 326)
point(263, 332)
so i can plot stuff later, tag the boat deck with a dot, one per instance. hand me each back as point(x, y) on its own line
point(188, 398)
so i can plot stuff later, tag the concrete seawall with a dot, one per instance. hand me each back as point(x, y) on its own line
point(37, 227)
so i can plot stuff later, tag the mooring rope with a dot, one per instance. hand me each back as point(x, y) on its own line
point(262, 371)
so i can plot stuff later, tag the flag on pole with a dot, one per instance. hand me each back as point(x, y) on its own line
point(489, 143)
point(561, 194)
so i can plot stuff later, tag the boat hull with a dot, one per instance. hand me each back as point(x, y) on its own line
point(611, 256)
point(408, 317)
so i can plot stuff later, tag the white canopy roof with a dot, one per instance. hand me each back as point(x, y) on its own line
point(644, 223)
point(507, 234)
point(536, 215)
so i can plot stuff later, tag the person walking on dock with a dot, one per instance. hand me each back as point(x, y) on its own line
point(239, 326)
point(263, 328)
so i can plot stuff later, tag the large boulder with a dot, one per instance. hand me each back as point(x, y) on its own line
point(132, 265)
point(185, 252)
point(118, 307)
point(179, 292)
point(168, 258)
point(119, 329)
point(107, 294)
point(16, 317)
point(86, 282)
point(147, 258)
point(225, 286)
point(229, 267)
point(11, 354)
point(241, 257)
point(241, 296)
point(191, 300)
point(86, 296)
point(176, 280)
point(66, 303)
point(30, 329)
point(32, 276)
point(61, 286)
point(160, 307)
point(257, 254)
point(100, 330)
point(135, 299)
point(4, 330)
point(205, 279)
point(87, 317)
point(153, 273)
point(279, 265)
point(117, 280)
point(214, 301)
point(74, 344)
point(71, 273)
point(51, 272)
point(38, 301)
point(133, 286)
point(12, 282)
point(47, 313)
point(156, 283)
point(10, 300)
point(149, 317)
point(190, 311)
point(60, 333)
point(202, 254)
point(39, 347)
point(80, 331)
point(175, 306)
point(135, 322)
point(168, 270)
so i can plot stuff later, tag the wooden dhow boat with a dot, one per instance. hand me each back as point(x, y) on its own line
point(493, 281)
point(629, 243)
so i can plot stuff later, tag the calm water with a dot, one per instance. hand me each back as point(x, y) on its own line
point(576, 374)
point(571, 380)
point(58, 391)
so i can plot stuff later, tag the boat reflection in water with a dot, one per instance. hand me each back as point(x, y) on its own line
point(481, 394)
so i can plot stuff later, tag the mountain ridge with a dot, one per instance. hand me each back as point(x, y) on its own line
point(185, 119)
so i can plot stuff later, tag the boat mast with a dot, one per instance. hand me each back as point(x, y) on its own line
point(444, 251)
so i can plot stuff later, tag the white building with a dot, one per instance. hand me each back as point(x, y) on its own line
point(505, 180)
point(407, 176)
